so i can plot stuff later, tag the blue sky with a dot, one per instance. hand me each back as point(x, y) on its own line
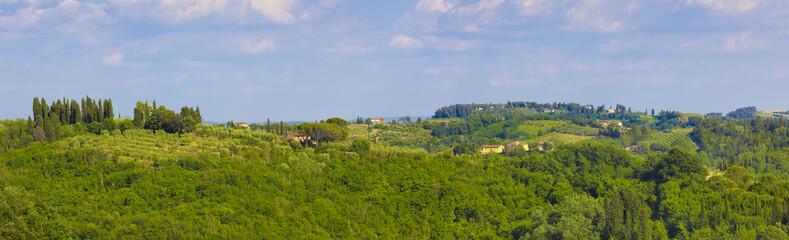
point(249, 60)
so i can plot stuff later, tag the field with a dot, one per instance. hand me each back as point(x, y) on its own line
point(357, 130)
point(667, 139)
point(560, 138)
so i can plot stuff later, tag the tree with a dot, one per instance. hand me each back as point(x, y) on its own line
point(465, 148)
point(138, 118)
point(37, 112)
point(169, 121)
point(109, 109)
point(52, 128)
point(108, 124)
point(31, 126)
point(337, 121)
point(76, 114)
point(152, 122)
point(360, 146)
point(576, 217)
point(679, 162)
point(323, 132)
point(198, 117)
point(39, 135)
point(125, 124)
point(189, 124)
point(24, 215)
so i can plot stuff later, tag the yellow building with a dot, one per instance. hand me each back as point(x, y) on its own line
point(492, 149)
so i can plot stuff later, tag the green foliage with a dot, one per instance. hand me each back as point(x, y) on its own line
point(323, 132)
point(337, 121)
point(398, 182)
point(24, 215)
point(577, 217)
point(360, 146)
point(678, 162)
point(465, 148)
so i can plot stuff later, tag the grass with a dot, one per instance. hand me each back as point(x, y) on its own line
point(534, 127)
point(357, 129)
point(649, 119)
point(560, 138)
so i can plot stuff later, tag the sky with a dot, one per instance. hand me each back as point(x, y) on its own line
point(249, 60)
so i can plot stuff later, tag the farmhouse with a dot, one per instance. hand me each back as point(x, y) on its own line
point(516, 145)
point(242, 124)
point(545, 146)
point(378, 121)
point(492, 149)
point(296, 137)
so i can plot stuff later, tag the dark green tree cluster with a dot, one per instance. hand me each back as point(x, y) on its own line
point(191, 117)
point(47, 119)
point(161, 118)
point(324, 132)
point(758, 143)
point(743, 113)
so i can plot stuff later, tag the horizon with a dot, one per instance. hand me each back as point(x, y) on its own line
point(315, 59)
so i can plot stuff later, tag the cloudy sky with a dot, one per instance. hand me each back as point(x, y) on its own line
point(249, 60)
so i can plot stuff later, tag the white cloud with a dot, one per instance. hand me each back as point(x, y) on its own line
point(113, 60)
point(434, 5)
point(449, 43)
point(533, 7)
point(188, 10)
point(406, 42)
point(472, 28)
point(743, 41)
point(345, 47)
point(23, 18)
point(275, 10)
point(600, 15)
point(263, 45)
point(483, 5)
point(727, 6)
point(243, 11)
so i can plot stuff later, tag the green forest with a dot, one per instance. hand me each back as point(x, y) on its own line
point(75, 170)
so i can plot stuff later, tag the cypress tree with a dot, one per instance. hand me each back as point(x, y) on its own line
point(76, 115)
point(146, 112)
point(84, 111)
point(138, 116)
point(198, 117)
point(38, 118)
point(110, 112)
point(99, 112)
point(44, 109)
point(30, 126)
point(65, 116)
point(52, 129)
point(268, 125)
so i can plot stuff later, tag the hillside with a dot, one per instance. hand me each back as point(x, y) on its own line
point(713, 178)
